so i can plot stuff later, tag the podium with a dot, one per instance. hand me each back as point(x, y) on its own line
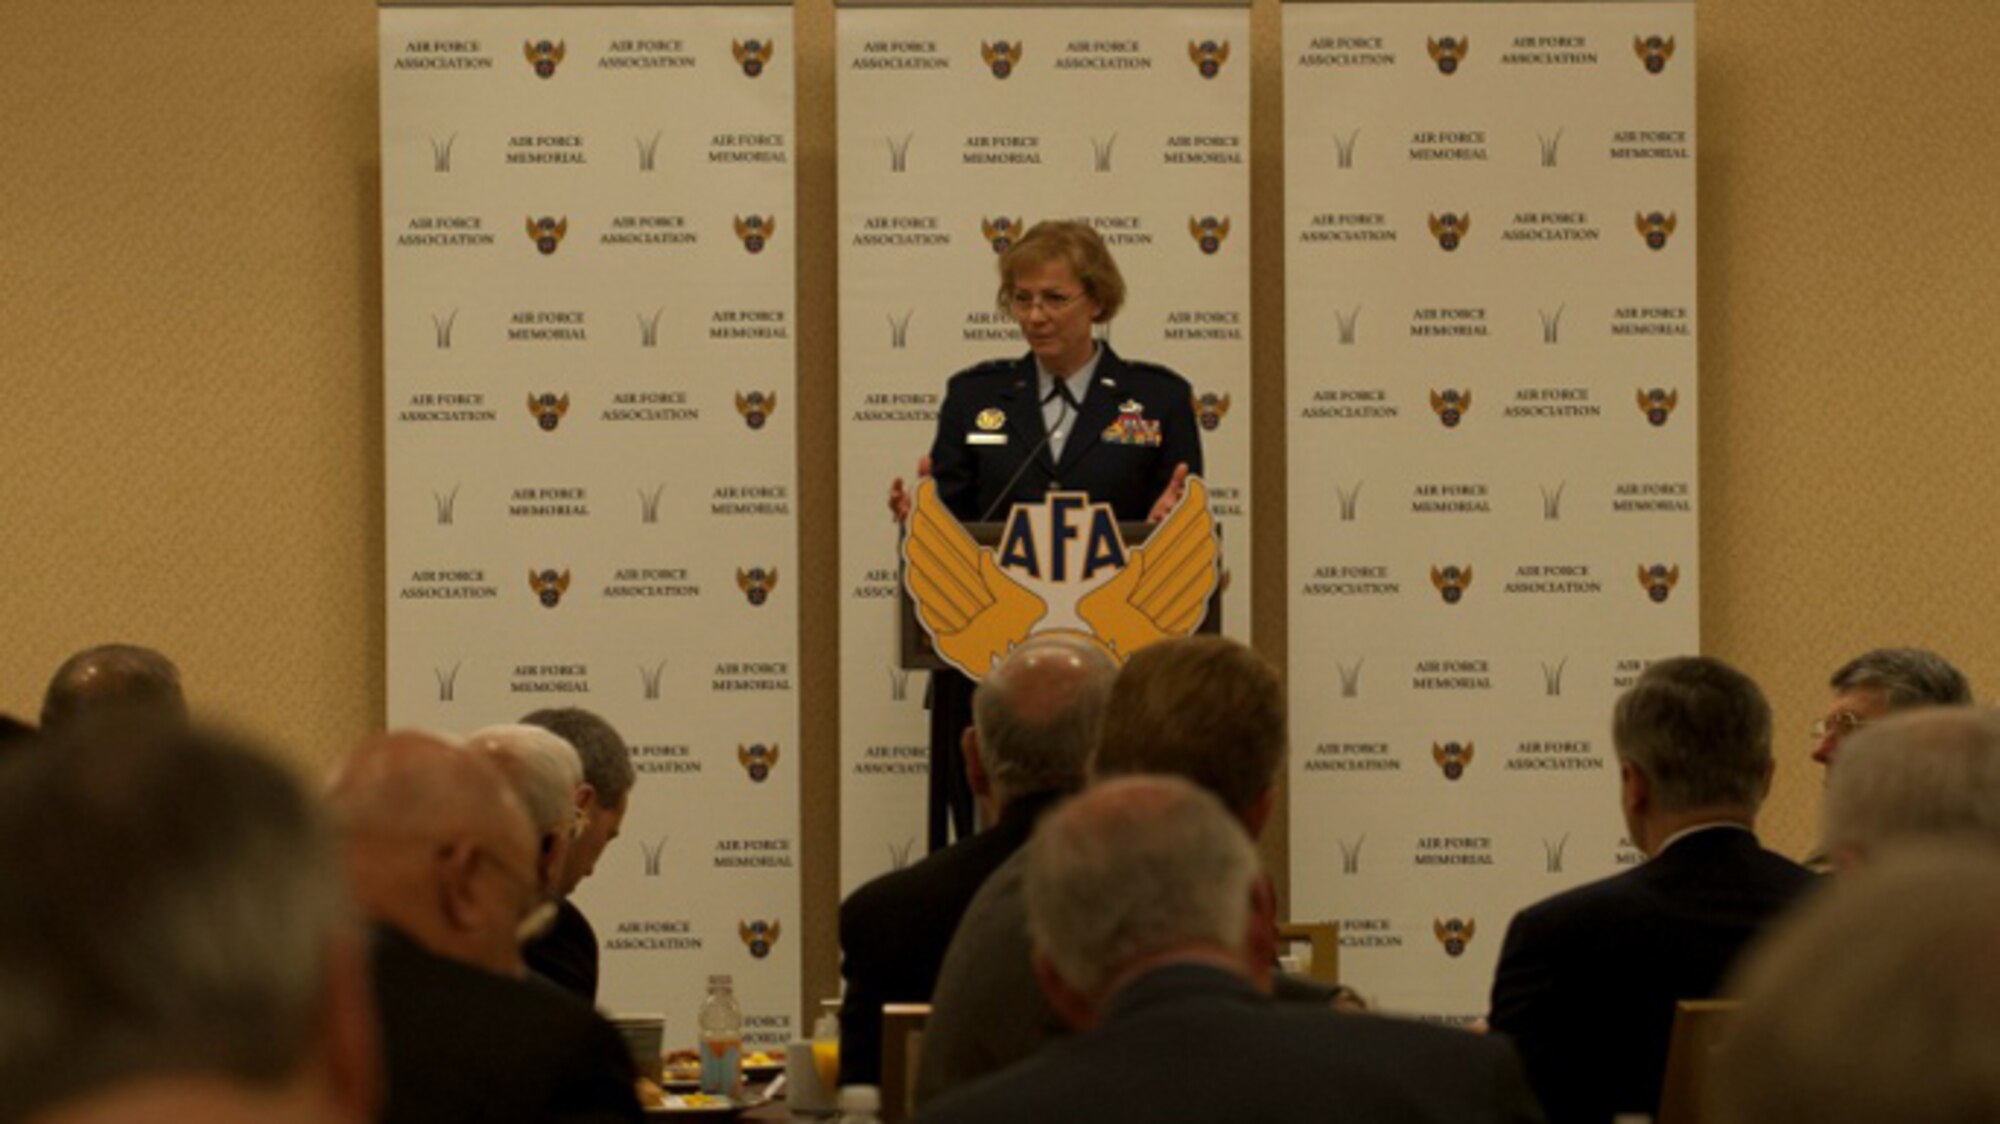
point(971, 593)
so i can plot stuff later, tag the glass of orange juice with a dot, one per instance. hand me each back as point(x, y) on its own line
point(826, 1052)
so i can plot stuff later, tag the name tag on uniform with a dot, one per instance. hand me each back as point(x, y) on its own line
point(986, 439)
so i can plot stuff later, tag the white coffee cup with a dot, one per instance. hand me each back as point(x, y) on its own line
point(804, 1093)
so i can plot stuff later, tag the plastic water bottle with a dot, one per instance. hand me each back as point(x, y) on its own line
point(860, 1104)
point(721, 1023)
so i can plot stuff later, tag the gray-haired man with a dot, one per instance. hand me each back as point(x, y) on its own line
point(1876, 1001)
point(1927, 774)
point(1588, 979)
point(1150, 929)
point(176, 943)
point(1035, 721)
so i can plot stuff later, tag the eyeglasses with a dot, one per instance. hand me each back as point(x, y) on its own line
point(1838, 724)
point(1051, 303)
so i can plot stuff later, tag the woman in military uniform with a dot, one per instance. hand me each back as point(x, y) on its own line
point(1071, 415)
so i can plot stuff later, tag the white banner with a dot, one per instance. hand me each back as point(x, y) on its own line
point(959, 128)
point(589, 290)
point(1490, 275)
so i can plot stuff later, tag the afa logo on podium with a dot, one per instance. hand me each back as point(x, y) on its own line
point(1062, 567)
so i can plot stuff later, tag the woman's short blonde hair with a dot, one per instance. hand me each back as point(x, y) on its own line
point(1075, 245)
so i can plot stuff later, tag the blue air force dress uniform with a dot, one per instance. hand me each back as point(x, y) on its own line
point(1136, 422)
point(1132, 424)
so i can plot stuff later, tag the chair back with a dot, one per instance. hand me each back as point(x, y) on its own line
point(902, 1051)
point(1323, 938)
point(1698, 1027)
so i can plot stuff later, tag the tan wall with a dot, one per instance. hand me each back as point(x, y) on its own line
point(190, 335)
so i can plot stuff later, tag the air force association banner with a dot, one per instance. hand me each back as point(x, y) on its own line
point(588, 275)
point(1490, 282)
point(960, 128)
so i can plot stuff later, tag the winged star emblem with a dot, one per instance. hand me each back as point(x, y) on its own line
point(976, 609)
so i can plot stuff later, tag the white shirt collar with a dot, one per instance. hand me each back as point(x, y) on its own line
point(1078, 381)
point(1699, 828)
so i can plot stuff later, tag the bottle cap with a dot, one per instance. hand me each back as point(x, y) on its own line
point(721, 981)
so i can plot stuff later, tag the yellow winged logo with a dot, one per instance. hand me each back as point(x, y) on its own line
point(972, 609)
point(976, 612)
point(1163, 590)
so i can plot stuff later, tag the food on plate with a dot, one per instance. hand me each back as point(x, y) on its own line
point(682, 1065)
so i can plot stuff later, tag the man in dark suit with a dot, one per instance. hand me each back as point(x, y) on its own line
point(441, 856)
point(1070, 416)
point(1151, 937)
point(1588, 979)
point(567, 954)
point(1035, 720)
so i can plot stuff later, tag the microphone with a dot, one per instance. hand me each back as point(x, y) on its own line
point(1069, 406)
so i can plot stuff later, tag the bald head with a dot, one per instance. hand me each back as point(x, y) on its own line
point(1920, 774)
point(1038, 715)
point(115, 683)
point(438, 845)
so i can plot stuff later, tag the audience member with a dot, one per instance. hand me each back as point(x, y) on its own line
point(546, 773)
point(1035, 720)
point(567, 954)
point(14, 734)
point(1925, 774)
point(441, 855)
point(1148, 923)
point(1206, 709)
point(1588, 979)
point(1878, 1001)
point(1879, 683)
point(114, 683)
point(176, 943)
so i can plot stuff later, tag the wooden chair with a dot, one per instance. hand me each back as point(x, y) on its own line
point(1699, 1025)
point(902, 1051)
point(1323, 937)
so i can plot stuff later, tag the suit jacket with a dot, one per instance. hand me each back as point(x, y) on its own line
point(894, 930)
point(988, 1012)
point(1588, 979)
point(972, 464)
point(566, 955)
point(1193, 1044)
point(464, 1045)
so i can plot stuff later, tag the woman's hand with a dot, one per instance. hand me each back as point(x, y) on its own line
point(1176, 488)
point(899, 499)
